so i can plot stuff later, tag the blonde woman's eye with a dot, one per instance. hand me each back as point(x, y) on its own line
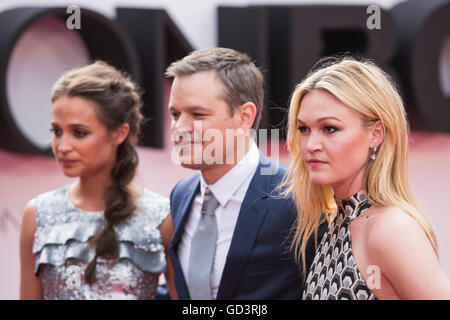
point(303, 129)
point(330, 129)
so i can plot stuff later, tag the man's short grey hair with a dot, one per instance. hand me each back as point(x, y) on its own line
point(243, 81)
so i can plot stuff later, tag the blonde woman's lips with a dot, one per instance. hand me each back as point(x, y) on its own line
point(315, 163)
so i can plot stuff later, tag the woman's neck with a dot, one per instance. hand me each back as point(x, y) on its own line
point(350, 187)
point(88, 192)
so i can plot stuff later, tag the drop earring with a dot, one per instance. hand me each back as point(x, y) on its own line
point(373, 156)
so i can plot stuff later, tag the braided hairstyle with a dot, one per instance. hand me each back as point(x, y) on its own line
point(117, 101)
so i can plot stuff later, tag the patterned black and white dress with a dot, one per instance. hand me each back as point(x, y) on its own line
point(334, 274)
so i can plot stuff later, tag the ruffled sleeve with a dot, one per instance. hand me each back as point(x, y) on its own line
point(140, 238)
point(63, 231)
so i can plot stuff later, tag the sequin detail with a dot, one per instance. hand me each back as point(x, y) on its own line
point(334, 273)
point(62, 252)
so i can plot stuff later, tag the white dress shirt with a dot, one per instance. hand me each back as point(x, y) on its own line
point(230, 191)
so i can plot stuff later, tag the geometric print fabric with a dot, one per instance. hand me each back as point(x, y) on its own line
point(333, 274)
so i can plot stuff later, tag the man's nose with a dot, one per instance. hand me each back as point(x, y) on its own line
point(182, 124)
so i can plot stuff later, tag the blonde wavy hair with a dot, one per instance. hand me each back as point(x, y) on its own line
point(369, 91)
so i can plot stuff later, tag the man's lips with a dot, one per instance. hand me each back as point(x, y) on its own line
point(186, 143)
point(180, 142)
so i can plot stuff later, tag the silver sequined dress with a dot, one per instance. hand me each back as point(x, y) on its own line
point(62, 250)
point(334, 274)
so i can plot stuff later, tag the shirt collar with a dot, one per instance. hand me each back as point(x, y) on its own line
point(224, 188)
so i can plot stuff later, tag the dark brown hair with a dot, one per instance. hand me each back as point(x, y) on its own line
point(243, 81)
point(118, 101)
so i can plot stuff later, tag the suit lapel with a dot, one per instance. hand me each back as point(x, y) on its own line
point(180, 219)
point(184, 209)
point(251, 216)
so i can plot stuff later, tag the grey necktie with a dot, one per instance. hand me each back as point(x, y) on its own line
point(203, 247)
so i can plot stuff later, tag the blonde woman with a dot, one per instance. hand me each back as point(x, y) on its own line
point(348, 136)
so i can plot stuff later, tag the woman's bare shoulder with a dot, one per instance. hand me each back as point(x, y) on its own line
point(29, 217)
point(390, 229)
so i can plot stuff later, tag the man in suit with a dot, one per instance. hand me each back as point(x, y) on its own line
point(216, 102)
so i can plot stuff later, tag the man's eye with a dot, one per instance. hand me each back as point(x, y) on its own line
point(175, 115)
point(198, 115)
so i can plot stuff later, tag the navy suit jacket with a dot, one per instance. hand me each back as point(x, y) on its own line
point(259, 264)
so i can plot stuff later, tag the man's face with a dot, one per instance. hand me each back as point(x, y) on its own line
point(200, 119)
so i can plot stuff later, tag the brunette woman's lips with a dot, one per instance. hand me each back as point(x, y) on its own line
point(67, 162)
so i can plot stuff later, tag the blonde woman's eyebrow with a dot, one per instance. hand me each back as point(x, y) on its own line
point(328, 118)
point(300, 121)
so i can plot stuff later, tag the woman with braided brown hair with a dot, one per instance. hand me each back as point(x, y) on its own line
point(101, 237)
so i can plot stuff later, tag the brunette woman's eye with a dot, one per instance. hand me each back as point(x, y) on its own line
point(79, 133)
point(56, 132)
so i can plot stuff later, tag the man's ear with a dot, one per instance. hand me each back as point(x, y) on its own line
point(377, 133)
point(121, 134)
point(247, 113)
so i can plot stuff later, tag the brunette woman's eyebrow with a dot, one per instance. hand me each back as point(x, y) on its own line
point(72, 125)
